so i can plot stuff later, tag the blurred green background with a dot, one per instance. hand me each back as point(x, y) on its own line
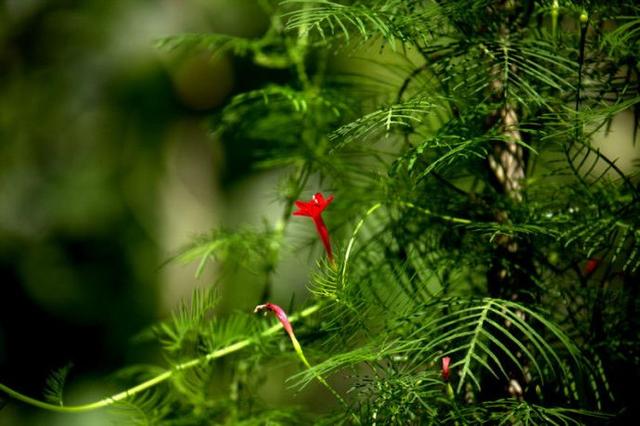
point(107, 168)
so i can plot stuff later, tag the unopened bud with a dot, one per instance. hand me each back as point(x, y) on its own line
point(584, 17)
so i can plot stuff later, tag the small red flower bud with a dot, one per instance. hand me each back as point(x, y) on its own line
point(445, 368)
point(590, 266)
point(313, 209)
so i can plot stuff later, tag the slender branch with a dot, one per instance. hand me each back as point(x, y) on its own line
point(405, 83)
point(281, 226)
point(444, 217)
point(303, 358)
point(569, 146)
point(299, 51)
point(449, 184)
point(162, 377)
point(347, 253)
point(584, 25)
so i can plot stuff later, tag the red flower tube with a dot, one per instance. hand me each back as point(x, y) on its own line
point(313, 209)
point(286, 324)
point(280, 314)
point(445, 368)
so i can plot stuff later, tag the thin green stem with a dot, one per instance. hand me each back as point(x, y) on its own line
point(165, 375)
point(436, 215)
point(298, 349)
point(476, 332)
point(347, 253)
point(299, 52)
point(281, 226)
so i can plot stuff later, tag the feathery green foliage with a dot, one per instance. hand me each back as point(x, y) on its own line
point(475, 218)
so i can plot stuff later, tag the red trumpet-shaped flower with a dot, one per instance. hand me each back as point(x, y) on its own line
point(445, 368)
point(280, 314)
point(314, 209)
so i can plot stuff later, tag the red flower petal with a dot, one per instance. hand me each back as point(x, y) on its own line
point(314, 209)
point(320, 201)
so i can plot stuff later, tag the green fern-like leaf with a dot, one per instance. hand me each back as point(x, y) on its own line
point(250, 247)
point(329, 18)
point(187, 320)
point(398, 116)
point(55, 385)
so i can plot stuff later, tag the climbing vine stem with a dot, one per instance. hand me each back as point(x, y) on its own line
point(162, 377)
